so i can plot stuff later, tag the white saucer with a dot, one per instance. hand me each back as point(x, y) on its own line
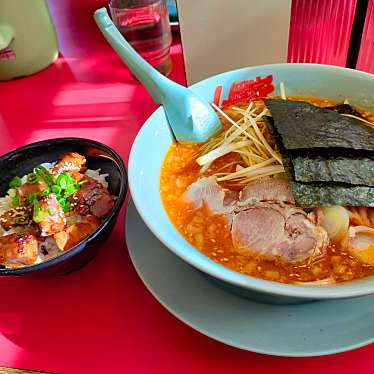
point(312, 329)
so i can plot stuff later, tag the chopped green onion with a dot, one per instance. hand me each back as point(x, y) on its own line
point(38, 215)
point(71, 179)
point(15, 182)
point(41, 170)
point(63, 180)
point(49, 180)
point(31, 198)
point(51, 211)
point(65, 205)
point(12, 192)
point(61, 201)
point(66, 208)
point(56, 189)
point(33, 178)
point(70, 190)
point(44, 174)
point(46, 192)
point(16, 201)
point(22, 220)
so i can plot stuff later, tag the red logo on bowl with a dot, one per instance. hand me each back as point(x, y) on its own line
point(258, 88)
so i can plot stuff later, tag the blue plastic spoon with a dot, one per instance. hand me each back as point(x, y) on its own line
point(190, 117)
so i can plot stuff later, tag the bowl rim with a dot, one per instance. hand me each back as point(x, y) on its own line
point(341, 290)
point(105, 223)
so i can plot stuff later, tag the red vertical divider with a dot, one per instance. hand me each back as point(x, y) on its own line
point(365, 60)
point(320, 31)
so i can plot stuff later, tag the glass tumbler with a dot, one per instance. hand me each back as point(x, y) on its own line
point(145, 25)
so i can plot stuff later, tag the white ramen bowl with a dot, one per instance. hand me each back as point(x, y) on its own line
point(154, 139)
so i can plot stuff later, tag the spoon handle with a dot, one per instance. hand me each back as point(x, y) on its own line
point(156, 84)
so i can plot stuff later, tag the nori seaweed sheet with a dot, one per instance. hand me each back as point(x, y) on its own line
point(357, 171)
point(325, 194)
point(302, 125)
point(330, 156)
point(286, 157)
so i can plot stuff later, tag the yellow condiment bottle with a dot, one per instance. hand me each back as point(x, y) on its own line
point(28, 40)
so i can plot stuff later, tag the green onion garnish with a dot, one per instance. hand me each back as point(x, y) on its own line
point(16, 201)
point(65, 205)
point(50, 211)
point(12, 192)
point(71, 189)
point(46, 192)
point(62, 202)
point(22, 220)
point(31, 198)
point(38, 215)
point(15, 182)
point(66, 208)
point(33, 178)
point(44, 174)
point(63, 186)
point(63, 180)
point(56, 189)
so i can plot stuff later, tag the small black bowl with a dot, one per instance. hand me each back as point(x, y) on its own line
point(22, 160)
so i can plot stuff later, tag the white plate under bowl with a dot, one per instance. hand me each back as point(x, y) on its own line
point(311, 329)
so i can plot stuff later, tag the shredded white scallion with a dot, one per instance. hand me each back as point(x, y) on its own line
point(245, 134)
point(282, 91)
point(220, 151)
point(359, 119)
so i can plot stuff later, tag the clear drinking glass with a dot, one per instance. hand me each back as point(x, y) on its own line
point(145, 25)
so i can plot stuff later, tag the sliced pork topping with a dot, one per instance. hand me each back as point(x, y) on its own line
point(14, 217)
point(272, 230)
point(207, 191)
point(263, 218)
point(17, 250)
point(266, 189)
point(250, 225)
point(52, 217)
point(76, 232)
point(28, 189)
point(92, 198)
point(219, 200)
point(70, 162)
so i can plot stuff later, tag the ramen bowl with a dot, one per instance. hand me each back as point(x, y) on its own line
point(154, 139)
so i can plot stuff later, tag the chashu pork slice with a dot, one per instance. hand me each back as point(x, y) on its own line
point(277, 231)
point(263, 218)
point(75, 233)
point(207, 191)
point(92, 198)
point(18, 250)
point(53, 217)
point(266, 189)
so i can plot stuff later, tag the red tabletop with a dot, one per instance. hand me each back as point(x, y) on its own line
point(101, 319)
